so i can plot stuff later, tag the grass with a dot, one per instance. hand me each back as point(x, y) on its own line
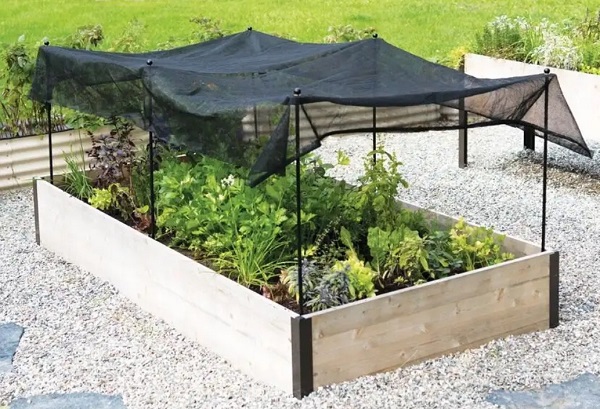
point(429, 28)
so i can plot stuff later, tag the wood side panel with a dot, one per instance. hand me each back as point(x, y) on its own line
point(434, 319)
point(220, 314)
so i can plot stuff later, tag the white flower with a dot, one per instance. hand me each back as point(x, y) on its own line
point(228, 181)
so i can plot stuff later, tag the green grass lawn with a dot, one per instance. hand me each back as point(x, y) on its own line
point(429, 28)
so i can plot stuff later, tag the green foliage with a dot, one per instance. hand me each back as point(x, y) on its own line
point(101, 199)
point(206, 29)
point(208, 208)
point(346, 33)
point(442, 262)
point(322, 287)
point(77, 183)
point(409, 259)
point(360, 276)
point(378, 189)
point(86, 37)
point(18, 114)
point(140, 179)
point(118, 201)
point(571, 44)
point(509, 38)
point(132, 39)
point(476, 246)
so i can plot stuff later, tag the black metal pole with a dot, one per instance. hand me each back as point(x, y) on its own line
point(49, 118)
point(50, 156)
point(298, 201)
point(374, 134)
point(463, 135)
point(545, 170)
point(375, 36)
point(255, 124)
point(151, 166)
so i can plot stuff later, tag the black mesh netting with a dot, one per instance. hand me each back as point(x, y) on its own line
point(219, 97)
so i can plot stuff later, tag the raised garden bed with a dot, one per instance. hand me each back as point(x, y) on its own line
point(277, 346)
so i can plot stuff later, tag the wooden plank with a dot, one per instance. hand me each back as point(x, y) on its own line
point(437, 318)
point(250, 331)
point(516, 246)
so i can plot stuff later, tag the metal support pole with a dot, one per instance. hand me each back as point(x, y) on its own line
point(462, 122)
point(151, 166)
point(545, 170)
point(298, 201)
point(49, 118)
point(255, 124)
point(49, 112)
point(374, 134)
point(529, 138)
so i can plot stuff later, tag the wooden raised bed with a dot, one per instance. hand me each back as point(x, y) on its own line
point(275, 345)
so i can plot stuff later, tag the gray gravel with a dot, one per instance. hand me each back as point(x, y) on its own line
point(81, 336)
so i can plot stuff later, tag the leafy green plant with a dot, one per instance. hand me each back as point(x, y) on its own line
point(379, 189)
point(77, 183)
point(85, 37)
point(346, 33)
point(18, 114)
point(442, 262)
point(101, 199)
point(322, 288)
point(476, 246)
point(132, 38)
point(409, 260)
point(207, 29)
point(118, 200)
point(510, 38)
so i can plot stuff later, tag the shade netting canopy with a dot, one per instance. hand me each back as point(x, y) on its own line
point(199, 96)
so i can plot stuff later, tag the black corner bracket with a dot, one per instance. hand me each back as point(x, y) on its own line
point(302, 356)
point(36, 213)
point(554, 290)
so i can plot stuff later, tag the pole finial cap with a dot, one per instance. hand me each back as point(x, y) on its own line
point(375, 35)
point(546, 71)
point(149, 62)
point(297, 91)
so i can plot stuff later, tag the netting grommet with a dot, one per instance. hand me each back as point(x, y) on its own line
point(149, 62)
point(297, 91)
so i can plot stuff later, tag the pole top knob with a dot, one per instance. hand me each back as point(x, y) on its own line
point(297, 91)
point(375, 35)
point(546, 71)
point(149, 62)
point(46, 42)
point(250, 28)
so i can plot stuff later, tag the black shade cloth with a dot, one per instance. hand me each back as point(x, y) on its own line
point(200, 94)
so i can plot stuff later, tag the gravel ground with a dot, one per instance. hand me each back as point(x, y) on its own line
point(81, 336)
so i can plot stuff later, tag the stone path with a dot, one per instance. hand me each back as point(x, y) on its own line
point(582, 392)
point(10, 335)
point(69, 401)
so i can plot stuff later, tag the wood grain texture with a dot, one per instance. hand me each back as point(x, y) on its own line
point(437, 318)
point(250, 331)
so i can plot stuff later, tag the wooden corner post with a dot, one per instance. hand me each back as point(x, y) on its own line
point(302, 356)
